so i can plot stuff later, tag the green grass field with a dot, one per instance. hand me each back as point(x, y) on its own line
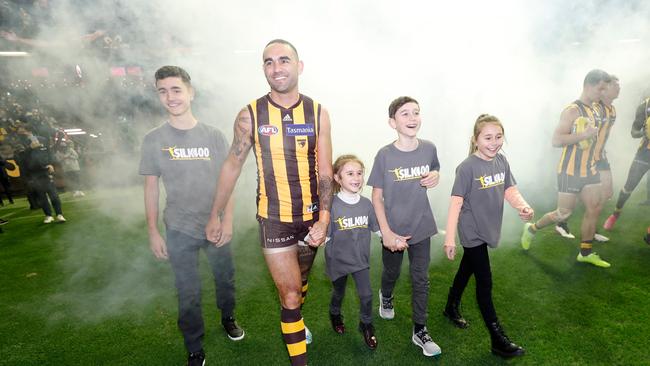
point(89, 292)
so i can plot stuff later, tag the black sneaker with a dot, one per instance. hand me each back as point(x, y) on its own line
point(196, 358)
point(233, 330)
point(2, 222)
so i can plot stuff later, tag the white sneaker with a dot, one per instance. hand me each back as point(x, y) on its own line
point(423, 340)
point(386, 310)
point(600, 238)
point(60, 218)
point(308, 337)
point(563, 230)
point(76, 194)
point(48, 220)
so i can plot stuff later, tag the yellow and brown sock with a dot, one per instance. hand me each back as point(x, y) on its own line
point(305, 287)
point(585, 247)
point(293, 333)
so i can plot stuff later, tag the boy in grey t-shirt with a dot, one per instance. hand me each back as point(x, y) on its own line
point(400, 176)
point(187, 156)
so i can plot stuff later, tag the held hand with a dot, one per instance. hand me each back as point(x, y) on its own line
point(394, 242)
point(430, 180)
point(317, 234)
point(213, 230)
point(526, 214)
point(450, 250)
point(158, 246)
point(226, 233)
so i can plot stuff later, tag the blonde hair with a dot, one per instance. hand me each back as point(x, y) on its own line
point(481, 121)
point(339, 163)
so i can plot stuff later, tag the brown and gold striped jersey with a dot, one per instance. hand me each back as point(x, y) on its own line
point(285, 146)
point(606, 117)
point(574, 161)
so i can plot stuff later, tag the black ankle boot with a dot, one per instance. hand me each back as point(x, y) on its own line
point(369, 337)
point(452, 312)
point(337, 323)
point(501, 345)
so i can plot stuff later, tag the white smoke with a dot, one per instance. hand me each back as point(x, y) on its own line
point(521, 61)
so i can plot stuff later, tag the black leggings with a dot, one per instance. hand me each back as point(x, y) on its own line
point(640, 165)
point(634, 176)
point(476, 261)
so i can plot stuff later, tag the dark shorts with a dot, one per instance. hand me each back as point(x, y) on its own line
point(603, 165)
point(571, 184)
point(276, 236)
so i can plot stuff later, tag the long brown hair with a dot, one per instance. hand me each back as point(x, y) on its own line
point(339, 163)
point(481, 121)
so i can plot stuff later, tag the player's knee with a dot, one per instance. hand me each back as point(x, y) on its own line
point(291, 299)
point(607, 195)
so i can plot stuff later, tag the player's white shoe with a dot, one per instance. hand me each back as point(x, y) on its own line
point(563, 229)
point(308, 337)
point(600, 238)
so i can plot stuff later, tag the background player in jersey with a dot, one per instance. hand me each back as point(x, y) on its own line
point(483, 181)
point(348, 251)
point(188, 155)
point(606, 117)
point(290, 134)
point(577, 174)
point(640, 164)
point(401, 174)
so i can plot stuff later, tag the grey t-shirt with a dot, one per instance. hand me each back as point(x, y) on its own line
point(189, 162)
point(482, 184)
point(348, 250)
point(398, 174)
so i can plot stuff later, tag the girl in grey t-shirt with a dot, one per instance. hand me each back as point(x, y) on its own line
point(483, 181)
point(348, 252)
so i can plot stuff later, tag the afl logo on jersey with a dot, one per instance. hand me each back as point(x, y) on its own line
point(267, 130)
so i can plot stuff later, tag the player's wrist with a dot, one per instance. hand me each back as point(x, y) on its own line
point(324, 216)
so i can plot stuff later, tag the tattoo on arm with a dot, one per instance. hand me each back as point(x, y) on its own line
point(241, 142)
point(325, 192)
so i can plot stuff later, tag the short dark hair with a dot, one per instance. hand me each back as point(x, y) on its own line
point(282, 41)
point(173, 71)
point(595, 76)
point(398, 103)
